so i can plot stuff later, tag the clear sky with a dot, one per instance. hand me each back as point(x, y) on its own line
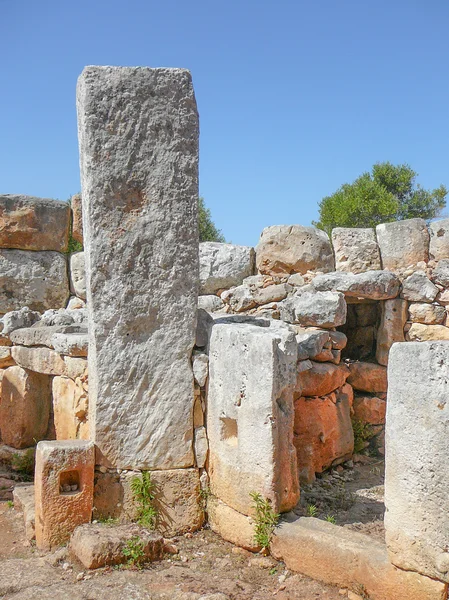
point(295, 97)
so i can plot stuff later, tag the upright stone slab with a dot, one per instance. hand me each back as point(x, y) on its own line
point(138, 136)
point(417, 458)
point(250, 415)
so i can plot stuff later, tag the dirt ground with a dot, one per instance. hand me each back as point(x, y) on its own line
point(205, 568)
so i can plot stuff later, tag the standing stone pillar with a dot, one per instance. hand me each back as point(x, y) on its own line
point(417, 458)
point(138, 137)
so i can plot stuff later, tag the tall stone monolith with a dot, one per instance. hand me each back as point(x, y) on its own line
point(138, 137)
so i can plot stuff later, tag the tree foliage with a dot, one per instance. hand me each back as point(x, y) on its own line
point(208, 231)
point(388, 193)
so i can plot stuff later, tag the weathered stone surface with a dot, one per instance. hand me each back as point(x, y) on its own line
point(210, 303)
point(203, 328)
point(37, 280)
point(441, 273)
point(24, 501)
point(201, 446)
point(356, 249)
point(96, 546)
point(42, 336)
point(70, 344)
point(271, 293)
point(70, 408)
point(417, 454)
point(200, 363)
point(58, 512)
point(140, 197)
point(349, 559)
point(321, 379)
point(30, 223)
point(24, 407)
point(240, 298)
point(231, 525)
point(311, 342)
point(6, 359)
point(63, 316)
point(368, 377)
point(439, 239)
point(75, 367)
point(75, 303)
point(77, 218)
point(418, 288)
point(249, 450)
point(403, 243)
point(18, 576)
point(17, 319)
point(391, 329)
point(322, 433)
point(427, 314)
point(40, 360)
point(372, 285)
point(315, 309)
point(286, 249)
point(427, 333)
point(223, 266)
point(78, 275)
point(369, 409)
point(177, 499)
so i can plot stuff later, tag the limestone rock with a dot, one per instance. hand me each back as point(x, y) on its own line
point(75, 303)
point(75, 367)
point(391, 328)
point(262, 361)
point(71, 344)
point(40, 360)
point(6, 360)
point(418, 288)
point(427, 333)
point(372, 285)
point(271, 293)
point(319, 309)
point(356, 249)
point(99, 545)
point(70, 408)
point(203, 328)
point(439, 239)
point(417, 454)
point(368, 377)
point(201, 446)
point(42, 335)
point(223, 266)
point(370, 409)
point(311, 342)
point(287, 249)
point(231, 525)
point(427, 314)
point(321, 379)
point(63, 316)
point(441, 273)
point(24, 407)
point(23, 495)
point(403, 243)
point(78, 275)
point(211, 303)
point(18, 319)
point(140, 198)
point(77, 218)
point(37, 280)
point(200, 367)
point(240, 298)
point(29, 223)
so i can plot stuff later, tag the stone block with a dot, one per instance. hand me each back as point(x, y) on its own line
point(6, 360)
point(210, 303)
point(64, 479)
point(315, 309)
point(271, 293)
point(391, 328)
point(41, 360)
point(24, 407)
point(141, 238)
point(75, 367)
point(368, 377)
point(201, 446)
point(24, 502)
point(439, 239)
point(37, 280)
point(356, 249)
point(78, 275)
point(339, 556)
point(417, 455)
point(370, 410)
point(100, 545)
point(427, 333)
point(70, 408)
point(75, 303)
point(231, 525)
point(418, 288)
point(250, 415)
point(288, 249)
point(311, 342)
point(77, 218)
point(18, 319)
point(372, 285)
point(322, 433)
point(403, 243)
point(29, 223)
point(223, 266)
point(200, 363)
point(321, 379)
point(71, 344)
point(426, 314)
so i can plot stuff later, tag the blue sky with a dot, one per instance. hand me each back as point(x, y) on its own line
point(295, 97)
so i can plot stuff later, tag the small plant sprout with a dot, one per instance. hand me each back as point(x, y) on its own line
point(134, 552)
point(311, 510)
point(143, 490)
point(265, 520)
point(330, 519)
point(10, 504)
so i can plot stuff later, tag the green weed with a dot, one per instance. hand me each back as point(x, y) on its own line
point(265, 520)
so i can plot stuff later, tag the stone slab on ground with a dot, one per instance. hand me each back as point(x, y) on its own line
point(223, 266)
point(35, 279)
point(29, 223)
point(348, 559)
point(417, 455)
point(101, 545)
point(140, 202)
point(24, 501)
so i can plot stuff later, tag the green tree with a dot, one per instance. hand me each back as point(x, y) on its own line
point(208, 230)
point(388, 193)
